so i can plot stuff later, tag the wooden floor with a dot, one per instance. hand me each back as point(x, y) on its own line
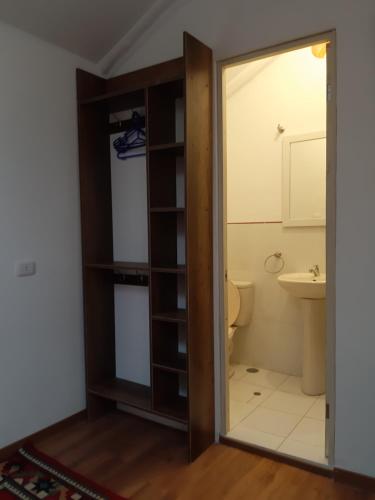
point(145, 461)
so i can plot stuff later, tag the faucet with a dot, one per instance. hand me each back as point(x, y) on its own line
point(315, 270)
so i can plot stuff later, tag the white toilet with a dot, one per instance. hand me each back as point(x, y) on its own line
point(240, 309)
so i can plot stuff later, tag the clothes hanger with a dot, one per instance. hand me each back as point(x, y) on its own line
point(134, 138)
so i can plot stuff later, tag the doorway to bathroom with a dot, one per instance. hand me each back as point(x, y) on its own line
point(278, 113)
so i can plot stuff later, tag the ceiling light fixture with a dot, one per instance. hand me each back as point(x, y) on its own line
point(319, 50)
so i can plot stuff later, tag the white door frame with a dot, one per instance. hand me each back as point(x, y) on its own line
point(330, 38)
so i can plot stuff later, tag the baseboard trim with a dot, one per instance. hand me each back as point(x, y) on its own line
point(43, 433)
point(354, 479)
point(295, 462)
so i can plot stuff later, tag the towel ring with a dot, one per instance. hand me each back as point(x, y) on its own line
point(276, 255)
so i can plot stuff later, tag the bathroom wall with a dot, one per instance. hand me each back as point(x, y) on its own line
point(274, 338)
point(288, 90)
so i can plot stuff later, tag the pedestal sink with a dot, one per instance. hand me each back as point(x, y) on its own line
point(312, 291)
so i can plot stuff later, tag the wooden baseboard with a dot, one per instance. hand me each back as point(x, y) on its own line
point(354, 479)
point(12, 448)
point(323, 471)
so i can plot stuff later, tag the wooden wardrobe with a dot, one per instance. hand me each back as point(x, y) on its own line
point(156, 89)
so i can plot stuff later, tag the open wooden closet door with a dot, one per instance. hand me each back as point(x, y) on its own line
point(198, 154)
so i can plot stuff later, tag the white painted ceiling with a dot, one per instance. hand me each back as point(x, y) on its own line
point(89, 28)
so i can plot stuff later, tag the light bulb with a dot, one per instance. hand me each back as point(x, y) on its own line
point(319, 50)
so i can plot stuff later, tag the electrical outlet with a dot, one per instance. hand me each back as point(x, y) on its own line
point(25, 268)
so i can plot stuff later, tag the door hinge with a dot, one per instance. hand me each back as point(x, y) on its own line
point(329, 92)
point(327, 411)
point(226, 275)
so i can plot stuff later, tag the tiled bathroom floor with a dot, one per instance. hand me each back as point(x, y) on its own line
point(269, 409)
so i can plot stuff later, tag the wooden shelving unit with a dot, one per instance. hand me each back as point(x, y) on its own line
point(176, 96)
point(123, 391)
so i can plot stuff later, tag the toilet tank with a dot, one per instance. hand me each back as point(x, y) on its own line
point(246, 289)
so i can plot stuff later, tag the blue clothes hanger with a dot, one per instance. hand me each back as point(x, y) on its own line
point(134, 138)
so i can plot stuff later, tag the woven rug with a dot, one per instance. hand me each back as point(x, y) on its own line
point(30, 474)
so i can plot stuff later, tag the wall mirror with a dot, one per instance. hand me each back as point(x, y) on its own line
point(304, 180)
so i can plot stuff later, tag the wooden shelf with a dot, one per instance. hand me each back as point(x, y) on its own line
point(136, 96)
point(177, 364)
point(138, 396)
point(112, 102)
point(123, 125)
point(169, 269)
point(167, 210)
point(101, 97)
point(118, 266)
point(123, 391)
point(167, 146)
point(176, 316)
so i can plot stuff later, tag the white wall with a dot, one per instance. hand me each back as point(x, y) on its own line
point(288, 89)
point(130, 243)
point(246, 25)
point(41, 331)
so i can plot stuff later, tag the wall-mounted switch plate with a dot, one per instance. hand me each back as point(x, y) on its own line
point(25, 268)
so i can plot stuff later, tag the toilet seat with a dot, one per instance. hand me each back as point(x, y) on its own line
point(231, 331)
point(233, 303)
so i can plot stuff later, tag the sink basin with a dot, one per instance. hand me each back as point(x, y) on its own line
point(312, 290)
point(304, 285)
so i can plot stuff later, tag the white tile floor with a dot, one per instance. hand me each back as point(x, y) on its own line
point(269, 409)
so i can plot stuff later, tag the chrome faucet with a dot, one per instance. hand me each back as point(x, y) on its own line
point(315, 270)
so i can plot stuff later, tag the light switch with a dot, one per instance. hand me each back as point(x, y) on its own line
point(25, 268)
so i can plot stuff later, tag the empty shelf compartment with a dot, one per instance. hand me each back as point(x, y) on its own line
point(169, 346)
point(168, 294)
point(170, 394)
point(167, 178)
point(167, 239)
point(166, 113)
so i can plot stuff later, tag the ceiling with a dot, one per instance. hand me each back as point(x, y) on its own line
point(89, 28)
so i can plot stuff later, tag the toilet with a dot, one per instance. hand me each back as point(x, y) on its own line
point(240, 309)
